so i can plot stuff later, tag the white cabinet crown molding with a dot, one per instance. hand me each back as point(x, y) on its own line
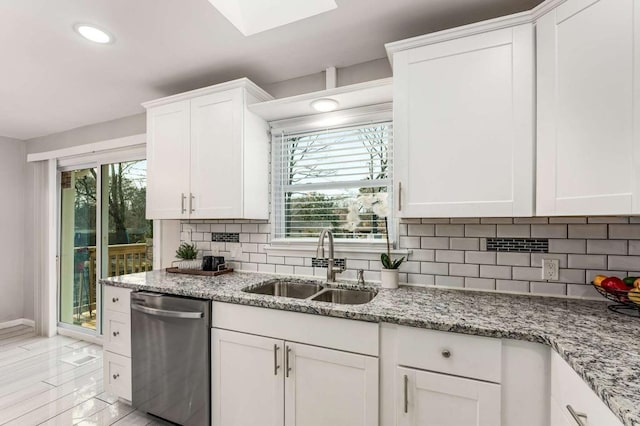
point(352, 96)
point(252, 89)
point(508, 21)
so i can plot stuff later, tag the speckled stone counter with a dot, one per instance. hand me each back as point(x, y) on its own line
point(601, 346)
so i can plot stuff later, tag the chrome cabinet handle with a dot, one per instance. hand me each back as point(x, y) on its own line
point(191, 198)
point(406, 393)
point(577, 416)
point(399, 196)
point(183, 198)
point(116, 333)
point(275, 360)
point(446, 353)
point(115, 376)
point(286, 361)
point(115, 300)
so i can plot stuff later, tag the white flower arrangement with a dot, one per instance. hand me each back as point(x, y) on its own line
point(379, 204)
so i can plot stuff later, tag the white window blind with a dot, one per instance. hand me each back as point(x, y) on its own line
point(338, 178)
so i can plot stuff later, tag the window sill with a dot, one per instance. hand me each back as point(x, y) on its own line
point(341, 249)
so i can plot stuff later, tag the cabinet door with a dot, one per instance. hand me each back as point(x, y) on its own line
point(432, 399)
point(588, 108)
point(168, 156)
point(329, 387)
point(463, 120)
point(247, 385)
point(216, 155)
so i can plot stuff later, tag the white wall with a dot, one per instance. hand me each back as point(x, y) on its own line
point(12, 228)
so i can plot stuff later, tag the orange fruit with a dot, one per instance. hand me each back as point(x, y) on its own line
point(597, 280)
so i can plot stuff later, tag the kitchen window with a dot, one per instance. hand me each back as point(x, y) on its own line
point(338, 178)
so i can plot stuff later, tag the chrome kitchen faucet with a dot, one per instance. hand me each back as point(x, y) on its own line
point(331, 269)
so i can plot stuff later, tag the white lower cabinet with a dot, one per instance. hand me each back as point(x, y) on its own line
point(434, 399)
point(570, 393)
point(273, 367)
point(290, 383)
point(117, 342)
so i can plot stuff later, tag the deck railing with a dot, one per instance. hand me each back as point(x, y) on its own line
point(122, 259)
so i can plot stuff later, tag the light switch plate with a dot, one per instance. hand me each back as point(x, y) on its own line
point(550, 269)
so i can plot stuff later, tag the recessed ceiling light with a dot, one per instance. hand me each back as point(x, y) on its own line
point(93, 33)
point(324, 105)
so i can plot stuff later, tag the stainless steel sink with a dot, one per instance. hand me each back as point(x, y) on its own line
point(345, 296)
point(298, 289)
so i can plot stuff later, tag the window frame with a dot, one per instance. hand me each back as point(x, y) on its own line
point(327, 121)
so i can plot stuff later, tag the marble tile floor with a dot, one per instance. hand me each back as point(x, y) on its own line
point(44, 381)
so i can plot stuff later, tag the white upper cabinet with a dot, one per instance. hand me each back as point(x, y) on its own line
point(463, 123)
point(208, 155)
point(588, 79)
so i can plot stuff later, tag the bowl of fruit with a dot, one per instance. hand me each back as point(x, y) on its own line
point(625, 291)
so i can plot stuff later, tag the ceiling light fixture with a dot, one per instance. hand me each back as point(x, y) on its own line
point(324, 105)
point(93, 33)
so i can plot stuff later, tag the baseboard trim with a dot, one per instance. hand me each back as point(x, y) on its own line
point(16, 322)
point(97, 340)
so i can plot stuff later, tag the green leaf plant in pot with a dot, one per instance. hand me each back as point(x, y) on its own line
point(379, 205)
point(187, 253)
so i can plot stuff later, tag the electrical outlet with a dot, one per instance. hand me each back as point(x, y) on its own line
point(550, 269)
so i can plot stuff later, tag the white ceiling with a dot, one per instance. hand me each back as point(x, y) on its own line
point(52, 80)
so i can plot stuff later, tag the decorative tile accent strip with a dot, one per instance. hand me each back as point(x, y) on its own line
point(519, 245)
point(225, 237)
point(322, 263)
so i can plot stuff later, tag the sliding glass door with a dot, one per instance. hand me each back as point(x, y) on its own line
point(103, 232)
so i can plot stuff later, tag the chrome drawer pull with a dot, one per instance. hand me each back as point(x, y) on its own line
point(115, 300)
point(116, 333)
point(115, 376)
point(446, 353)
point(577, 416)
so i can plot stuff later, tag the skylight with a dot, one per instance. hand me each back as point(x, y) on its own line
point(254, 16)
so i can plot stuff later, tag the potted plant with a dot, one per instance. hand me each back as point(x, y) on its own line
point(187, 253)
point(379, 205)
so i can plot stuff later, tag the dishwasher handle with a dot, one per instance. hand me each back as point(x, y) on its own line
point(166, 313)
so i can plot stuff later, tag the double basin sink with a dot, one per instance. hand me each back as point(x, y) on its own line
point(312, 290)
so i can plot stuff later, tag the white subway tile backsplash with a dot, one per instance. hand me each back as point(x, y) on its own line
point(450, 230)
point(434, 242)
point(624, 263)
point(446, 281)
point(433, 268)
point(514, 231)
point(480, 230)
point(512, 286)
point(450, 256)
point(480, 257)
point(464, 270)
point(480, 283)
point(464, 243)
point(492, 271)
point(421, 230)
point(587, 261)
point(548, 231)
point(607, 246)
point(452, 252)
point(514, 259)
point(626, 232)
point(568, 246)
point(588, 231)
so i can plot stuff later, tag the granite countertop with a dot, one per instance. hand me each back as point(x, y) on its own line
point(602, 347)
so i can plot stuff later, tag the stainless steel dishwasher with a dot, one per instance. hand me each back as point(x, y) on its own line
point(171, 357)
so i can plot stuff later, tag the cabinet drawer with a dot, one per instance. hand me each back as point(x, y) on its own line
point(458, 354)
point(567, 388)
point(117, 333)
point(117, 375)
point(117, 299)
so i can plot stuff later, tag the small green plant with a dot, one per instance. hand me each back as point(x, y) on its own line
point(187, 251)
